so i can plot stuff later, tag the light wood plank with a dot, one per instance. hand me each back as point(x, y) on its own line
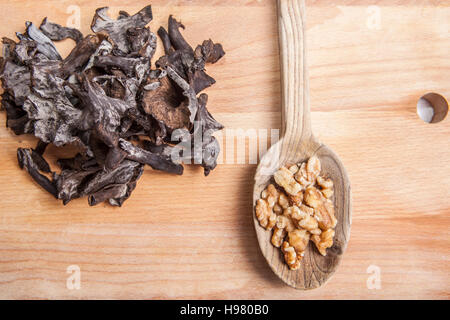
point(192, 237)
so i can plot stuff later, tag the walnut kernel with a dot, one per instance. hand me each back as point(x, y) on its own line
point(325, 183)
point(285, 179)
point(308, 223)
point(283, 201)
point(313, 168)
point(278, 236)
point(295, 213)
point(290, 256)
point(327, 187)
point(328, 193)
point(313, 197)
point(293, 169)
point(307, 210)
point(302, 177)
point(323, 241)
point(285, 222)
point(296, 200)
point(265, 215)
point(271, 195)
point(299, 239)
point(324, 215)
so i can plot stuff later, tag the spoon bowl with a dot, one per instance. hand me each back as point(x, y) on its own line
point(298, 144)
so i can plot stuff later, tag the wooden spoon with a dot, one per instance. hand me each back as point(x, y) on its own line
point(298, 144)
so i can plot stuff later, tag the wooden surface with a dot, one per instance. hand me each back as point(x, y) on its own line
point(297, 145)
point(193, 237)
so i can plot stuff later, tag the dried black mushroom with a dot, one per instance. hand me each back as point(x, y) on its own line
point(105, 99)
point(57, 32)
point(186, 62)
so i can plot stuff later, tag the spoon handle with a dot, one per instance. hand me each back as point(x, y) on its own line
point(296, 115)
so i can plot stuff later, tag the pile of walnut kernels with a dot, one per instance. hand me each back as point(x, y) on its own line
point(299, 209)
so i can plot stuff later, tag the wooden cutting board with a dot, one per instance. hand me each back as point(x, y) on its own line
point(193, 237)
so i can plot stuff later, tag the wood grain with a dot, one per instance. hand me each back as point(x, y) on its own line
point(193, 237)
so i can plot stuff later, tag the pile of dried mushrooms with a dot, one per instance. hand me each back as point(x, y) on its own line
point(107, 99)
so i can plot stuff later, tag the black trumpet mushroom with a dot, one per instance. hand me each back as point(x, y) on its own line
point(108, 101)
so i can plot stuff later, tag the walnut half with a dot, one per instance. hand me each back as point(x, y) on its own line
point(290, 256)
point(271, 195)
point(285, 179)
point(278, 236)
point(323, 241)
point(323, 208)
point(265, 215)
point(299, 239)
